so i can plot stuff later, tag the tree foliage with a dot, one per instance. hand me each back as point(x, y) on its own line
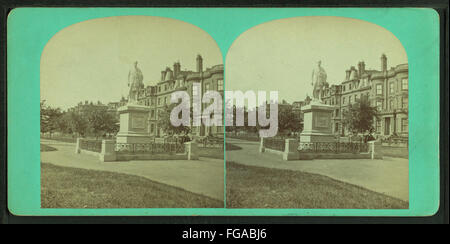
point(50, 118)
point(165, 124)
point(101, 122)
point(360, 116)
point(95, 121)
point(288, 120)
point(77, 123)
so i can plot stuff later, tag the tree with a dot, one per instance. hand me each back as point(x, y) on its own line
point(360, 116)
point(49, 118)
point(77, 123)
point(288, 121)
point(63, 123)
point(101, 122)
point(165, 124)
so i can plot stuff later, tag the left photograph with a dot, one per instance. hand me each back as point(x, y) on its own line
point(108, 140)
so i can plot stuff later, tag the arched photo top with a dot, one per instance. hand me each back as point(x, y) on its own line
point(280, 55)
point(91, 59)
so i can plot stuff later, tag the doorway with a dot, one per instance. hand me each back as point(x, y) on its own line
point(387, 126)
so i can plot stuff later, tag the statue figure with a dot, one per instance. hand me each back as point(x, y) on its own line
point(135, 83)
point(319, 81)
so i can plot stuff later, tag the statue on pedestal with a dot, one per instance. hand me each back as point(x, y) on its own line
point(135, 83)
point(319, 81)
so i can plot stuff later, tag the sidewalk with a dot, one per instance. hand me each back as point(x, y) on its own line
point(204, 176)
point(389, 176)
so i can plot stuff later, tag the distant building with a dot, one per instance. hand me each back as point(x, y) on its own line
point(386, 89)
point(87, 107)
point(113, 106)
point(158, 96)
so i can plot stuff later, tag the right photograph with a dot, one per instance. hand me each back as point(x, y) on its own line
point(316, 115)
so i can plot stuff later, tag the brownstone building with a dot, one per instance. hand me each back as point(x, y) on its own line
point(158, 96)
point(386, 89)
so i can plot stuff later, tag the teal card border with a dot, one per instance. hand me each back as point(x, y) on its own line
point(29, 29)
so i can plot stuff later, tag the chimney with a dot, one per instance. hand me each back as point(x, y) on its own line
point(361, 68)
point(163, 75)
point(383, 63)
point(176, 69)
point(347, 74)
point(199, 63)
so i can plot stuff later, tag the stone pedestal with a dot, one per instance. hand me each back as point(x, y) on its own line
point(107, 154)
point(317, 126)
point(375, 150)
point(133, 124)
point(191, 150)
point(290, 150)
point(261, 145)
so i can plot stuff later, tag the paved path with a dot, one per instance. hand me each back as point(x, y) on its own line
point(389, 176)
point(203, 176)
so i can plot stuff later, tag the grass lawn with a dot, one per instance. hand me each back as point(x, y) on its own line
point(216, 153)
point(396, 152)
point(46, 148)
point(65, 187)
point(259, 187)
point(60, 138)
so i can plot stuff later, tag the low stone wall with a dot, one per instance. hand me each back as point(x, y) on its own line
point(291, 152)
point(128, 157)
point(79, 148)
point(108, 153)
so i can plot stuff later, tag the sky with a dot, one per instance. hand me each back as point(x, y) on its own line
point(280, 55)
point(90, 60)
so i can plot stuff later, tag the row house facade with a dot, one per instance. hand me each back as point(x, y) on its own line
point(387, 90)
point(158, 96)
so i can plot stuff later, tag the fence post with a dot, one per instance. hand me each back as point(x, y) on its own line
point(261, 145)
point(376, 150)
point(290, 150)
point(191, 149)
point(78, 145)
point(108, 154)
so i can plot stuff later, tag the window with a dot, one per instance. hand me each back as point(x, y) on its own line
point(159, 101)
point(165, 100)
point(195, 92)
point(378, 126)
point(350, 99)
point(391, 104)
point(337, 113)
point(379, 89)
point(391, 87)
point(152, 114)
point(379, 105)
point(152, 128)
point(159, 88)
point(343, 100)
point(404, 102)
point(405, 84)
point(220, 85)
point(404, 124)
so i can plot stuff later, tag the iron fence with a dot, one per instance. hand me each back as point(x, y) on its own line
point(334, 147)
point(214, 142)
point(152, 148)
point(396, 141)
point(274, 143)
point(91, 145)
